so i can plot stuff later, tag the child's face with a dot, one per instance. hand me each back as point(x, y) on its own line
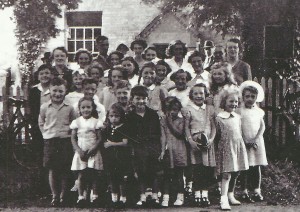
point(95, 74)
point(148, 76)
point(77, 80)
point(138, 49)
point(89, 90)
point(114, 118)
point(161, 72)
point(59, 57)
point(198, 95)
point(128, 66)
point(86, 108)
point(150, 55)
point(197, 64)
point(219, 76)
point(57, 93)
point(180, 81)
point(231, 103)
point(123, 95)
point(174, 110)
point(83, 60)
point(116, 76)
point(139, 102)
point(114, 59)
point(45, 76)
point(249, 98)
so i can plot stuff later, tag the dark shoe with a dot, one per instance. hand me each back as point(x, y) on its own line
point(246, 198)
point(205, 202)
point(81, 203)
point(95, 203)
point(62, 202)
point(54, 202)
point(197, 202)
point(258, 197)
point(121, 205)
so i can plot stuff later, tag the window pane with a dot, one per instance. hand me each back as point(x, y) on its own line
point(71, 46)
point(79, 44)
point(97, 32)
point(72, 33)
point(79, 34)
point(88, 34)
point(71, 57)
point(89, 45)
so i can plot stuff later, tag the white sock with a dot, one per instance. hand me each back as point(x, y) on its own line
point(143, 197)
point(204, 193)
point(123, 199)
point(114, 197)
point(257, 190)
point(197, 194)
point(154, 196)
point(224, 198)
point(81, 197)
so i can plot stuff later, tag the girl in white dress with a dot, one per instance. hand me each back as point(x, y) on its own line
point(85, 139)
point(253, 127)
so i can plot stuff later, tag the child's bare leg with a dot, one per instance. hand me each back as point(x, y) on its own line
point(81, 184)
point(64, 184)
point(224, 191)
point(123, 188)
point(232, 182)
point(53, 181)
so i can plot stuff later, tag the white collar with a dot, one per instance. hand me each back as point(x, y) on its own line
point(151, 87)
point(196, 107)
point(226, 115)
point(39, 86)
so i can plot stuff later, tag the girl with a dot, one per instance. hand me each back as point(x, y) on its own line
point(108, 97)
point(83, 58)
point(231, 153)
point(150, 54)
point(181, 78)
point(156, 93)
point(73, 97)
point(87, 160)
point(117, 153)
point(132, 69)
point(200, 131)
point(253, 127)
point(113, 59)
point(96, 72)
point(199, 75)
point(162, 71)
point(173, 140)
point(138, 46)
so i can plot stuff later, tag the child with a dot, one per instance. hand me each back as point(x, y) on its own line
point(132, 69)
point(108, 97)
point(73, 97)
point(162, 70)
point(156, 93)
point(96, 72)
point(253, 127)
point(145, 133)
point(231, 153)
point(123, 95)
point(87, 160)
point(54, 121)
point(150, 54)
point(173, 140)
point(200, 131)
point(138, 46)
point(181, 78)
point(117, 153)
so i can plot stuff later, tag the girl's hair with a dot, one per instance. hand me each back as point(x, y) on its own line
point(88, 80)
point(169, 102)
point(163, 63)
point(119, 54)
point(146, 65)
point(94, 107)
point(196, 54)
point(181, 71)
point(117, 108)
point(226, 67)
point(170, 49)
point(117, 68)
point(122, 45)
point(225, 94)
point(82, 51)
point(148, 48)
point(42, 67)
point(136, 66)
point(199, 85)
point(251, 89)
point(139, 90)
point(140, 42)
point(100, 69)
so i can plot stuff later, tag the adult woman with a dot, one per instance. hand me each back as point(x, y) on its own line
point(138, 46)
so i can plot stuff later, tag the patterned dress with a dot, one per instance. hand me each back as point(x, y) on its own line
point(231, 153)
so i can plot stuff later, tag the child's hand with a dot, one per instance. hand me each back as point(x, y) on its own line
point(83, 155)
point(209, 100)
point(107, 144)
point(185, 113)
point(194, 145)
point(91, 152)
point(161, 157)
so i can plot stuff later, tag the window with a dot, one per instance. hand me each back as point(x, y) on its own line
point(83, 29)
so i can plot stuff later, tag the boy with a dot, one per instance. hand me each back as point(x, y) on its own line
point(54, 121)
point(123, 95)
point(145, 133)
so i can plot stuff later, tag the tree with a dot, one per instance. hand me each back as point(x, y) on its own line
point(244, 18)
point(35, 20)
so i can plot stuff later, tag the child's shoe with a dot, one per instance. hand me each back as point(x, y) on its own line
point(122, 202)
point(232, 199)
point(54, 202)
point(81, 202)
point(224, 204)
point(257, 197)
point(94, 199)
point(197, 200)
point(165, 201)
point(142, 201)
point(179, 200)
point(205, 202)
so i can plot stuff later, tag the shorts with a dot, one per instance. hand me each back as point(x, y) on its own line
point(58, 154)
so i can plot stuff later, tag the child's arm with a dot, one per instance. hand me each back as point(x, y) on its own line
point(42, 119)
point(76, 148)
point(187, 118)
point(176, 129)
point(213, 131)
point(163, 140)
point(94, 149)
point(260, 133)
point(110, 143)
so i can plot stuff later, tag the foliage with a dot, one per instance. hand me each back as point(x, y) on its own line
point(35, 21)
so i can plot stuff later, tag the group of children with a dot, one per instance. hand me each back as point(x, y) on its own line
point(152, 125)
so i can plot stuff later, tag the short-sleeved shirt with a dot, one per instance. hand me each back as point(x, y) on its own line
point(55, 122)
point(183, 96)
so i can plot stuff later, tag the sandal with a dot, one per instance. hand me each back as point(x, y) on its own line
point(54, 202)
